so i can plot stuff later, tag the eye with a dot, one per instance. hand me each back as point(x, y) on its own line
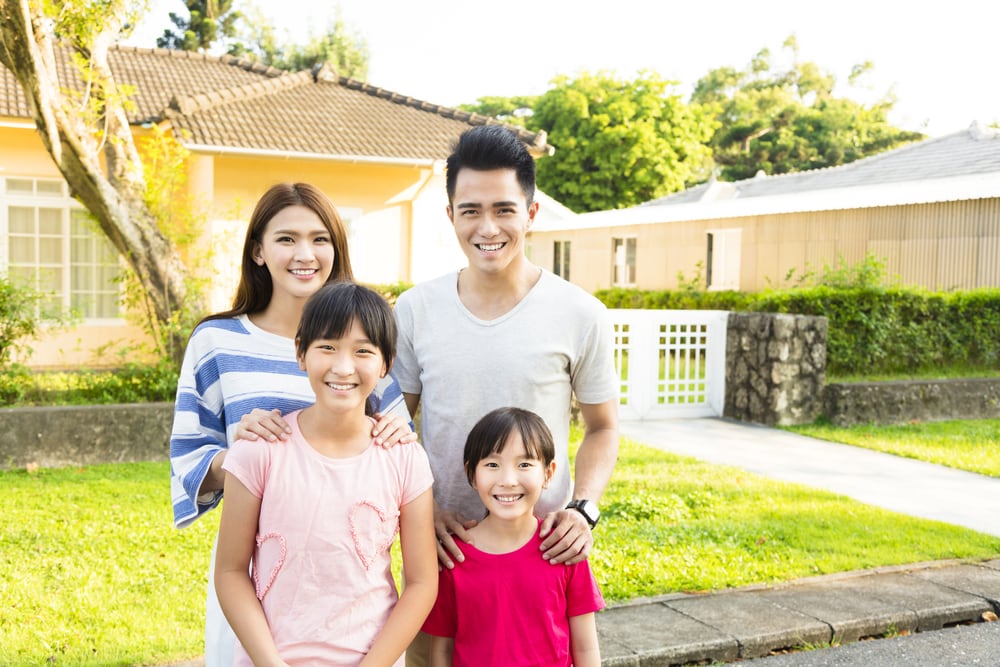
point(284, 239)
point(526, 465)
point(490, 464)
point(322, 240)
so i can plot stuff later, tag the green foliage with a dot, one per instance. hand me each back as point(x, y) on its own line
point(207, 22)
point(18, 324)
point(619, 143)
point(785, 120)
point(341, 46)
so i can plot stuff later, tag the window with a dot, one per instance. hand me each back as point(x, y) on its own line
point(53, 247)
point(560, 259)
point(623, 258)
point(722, 260)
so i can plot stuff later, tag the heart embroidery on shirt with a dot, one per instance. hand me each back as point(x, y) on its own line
point(261, 539)
point(368, 524)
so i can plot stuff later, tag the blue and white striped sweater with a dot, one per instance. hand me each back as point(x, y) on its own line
point(231, 367)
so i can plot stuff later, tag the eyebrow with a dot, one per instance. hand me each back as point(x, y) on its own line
point(497, 204)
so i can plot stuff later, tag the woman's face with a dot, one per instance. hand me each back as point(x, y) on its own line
point(298, 252)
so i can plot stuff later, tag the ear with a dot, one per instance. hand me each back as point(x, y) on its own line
point(532, 212)
point(472, 482)
point(451, 214)
point(550, 470)
point(255, 253)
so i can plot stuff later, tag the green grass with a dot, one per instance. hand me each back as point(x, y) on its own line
point(967, 444)
point(93, 573)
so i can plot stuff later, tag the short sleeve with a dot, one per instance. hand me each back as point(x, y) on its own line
point(248, 461)
point(582, 593)
point(417, 476)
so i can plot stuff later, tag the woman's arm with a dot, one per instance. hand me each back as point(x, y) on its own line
point(233, 584)
point(416, 536)
point(583, 643)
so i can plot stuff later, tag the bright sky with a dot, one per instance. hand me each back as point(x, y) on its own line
point(941, 58)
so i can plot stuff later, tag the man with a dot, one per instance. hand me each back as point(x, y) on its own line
point(503, 332)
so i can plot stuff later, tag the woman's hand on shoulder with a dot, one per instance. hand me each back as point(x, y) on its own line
point(266, 424)
point(391, 430)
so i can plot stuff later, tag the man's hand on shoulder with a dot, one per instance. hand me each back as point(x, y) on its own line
point(566, 537)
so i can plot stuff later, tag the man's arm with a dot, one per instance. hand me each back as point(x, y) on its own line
point(568, 538)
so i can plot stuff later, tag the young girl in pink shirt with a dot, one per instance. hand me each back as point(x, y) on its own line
point(316, 517)
point(507, 606)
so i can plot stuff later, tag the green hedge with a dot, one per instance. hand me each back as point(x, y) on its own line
point(872, 330)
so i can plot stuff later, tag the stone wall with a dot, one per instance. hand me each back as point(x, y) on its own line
point(85, 435)
point(913, 400)
point(775, 368)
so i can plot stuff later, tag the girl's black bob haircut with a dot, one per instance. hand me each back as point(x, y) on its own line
point(490, 435)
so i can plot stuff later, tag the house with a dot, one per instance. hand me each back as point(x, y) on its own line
point(377, 154)
point(929, 210)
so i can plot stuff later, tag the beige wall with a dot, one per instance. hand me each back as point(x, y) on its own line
point(941, 246)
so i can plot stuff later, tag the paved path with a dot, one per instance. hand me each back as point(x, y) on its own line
point(903, 485)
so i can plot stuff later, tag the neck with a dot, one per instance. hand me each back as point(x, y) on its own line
point(281, 317)
point(500, 536)
point(489, 295)
point(335, 435)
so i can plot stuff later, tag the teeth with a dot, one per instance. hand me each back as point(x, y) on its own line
point(340, 387)
point(508, 499)
point(489, 247)
point(303, 272)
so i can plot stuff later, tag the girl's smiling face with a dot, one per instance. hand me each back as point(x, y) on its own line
point(298, 252)
point(509, 482)
point(343, 371)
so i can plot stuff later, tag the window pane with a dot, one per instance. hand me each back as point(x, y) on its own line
point(22, 250)
point(49, 187)
point(50, 280)
point(21, 220)
point(107, 305)
point(81, 278)
point(20, 185)
point(50, 221)
point(81, 250)
point(22, 275)
point(50, 250)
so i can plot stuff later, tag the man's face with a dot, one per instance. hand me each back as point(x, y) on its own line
point(491, 218)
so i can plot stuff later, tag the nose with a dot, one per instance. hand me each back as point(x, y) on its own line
point(342, 364)
point(304, 251)
point(488, 227)
point(508, 476)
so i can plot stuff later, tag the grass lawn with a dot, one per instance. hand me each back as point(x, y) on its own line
point(967, 444)
point(93, 573)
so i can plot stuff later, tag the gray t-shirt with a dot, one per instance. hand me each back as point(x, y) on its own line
point(557, 341)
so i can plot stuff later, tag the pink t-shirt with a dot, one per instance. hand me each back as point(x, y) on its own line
point(322, 564)
point(511, 609)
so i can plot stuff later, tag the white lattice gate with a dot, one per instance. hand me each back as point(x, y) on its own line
point(671, 363)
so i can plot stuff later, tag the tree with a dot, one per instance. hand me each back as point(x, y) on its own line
point(207, 22)
point(619, 143)
point(89, 138)
point(779, 121)
point(341, 46)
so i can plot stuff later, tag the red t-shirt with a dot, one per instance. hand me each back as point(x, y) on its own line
point(511, 609)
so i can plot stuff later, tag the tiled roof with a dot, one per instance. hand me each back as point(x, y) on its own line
point(228, 103)
point(970, 152)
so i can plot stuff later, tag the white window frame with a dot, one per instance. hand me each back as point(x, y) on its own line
point(623, 272)
point(722, 259)
point(48, 193)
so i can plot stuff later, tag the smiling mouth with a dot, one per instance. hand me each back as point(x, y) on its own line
point(340, 387)
point(490, 247)
point(509, 499)
point(304, 272)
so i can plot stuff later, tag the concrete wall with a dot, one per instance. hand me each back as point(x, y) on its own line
point(85, 435)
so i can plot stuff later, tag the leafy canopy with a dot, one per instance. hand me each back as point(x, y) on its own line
point(785, 120)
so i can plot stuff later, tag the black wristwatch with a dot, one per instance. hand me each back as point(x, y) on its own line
point(588, 508)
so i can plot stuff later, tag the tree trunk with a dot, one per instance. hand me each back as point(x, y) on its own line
point(115, 197)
